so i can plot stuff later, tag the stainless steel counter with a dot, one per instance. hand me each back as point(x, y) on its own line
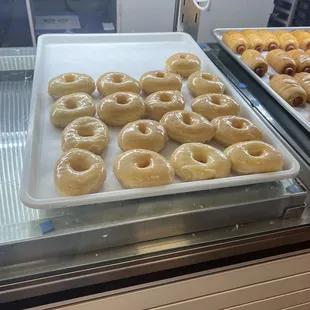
point(106, 234)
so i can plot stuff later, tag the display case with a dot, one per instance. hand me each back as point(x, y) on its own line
point(66, 253)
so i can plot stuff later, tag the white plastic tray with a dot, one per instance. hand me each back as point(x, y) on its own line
point(133, 54)
point(301, 114)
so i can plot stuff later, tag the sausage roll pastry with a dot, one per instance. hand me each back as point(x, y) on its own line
point(255, 61)
point(303, 38)
point(235, 41)
point(301, 59)
point(281, 62)
point(253, 39)
point(270, 40)
point(303, 79)
point(287, 40)
point(289, 89)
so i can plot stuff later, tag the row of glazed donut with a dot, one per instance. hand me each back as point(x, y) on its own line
point(178, 65)
point(80, 172)
point(263, 39)
point(153, 81)
point(120, 108)
point(181, 126)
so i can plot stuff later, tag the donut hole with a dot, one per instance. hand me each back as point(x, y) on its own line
point(201, 158)
point(70, 104)
point(187, 119)
point(80, 165)
point(238, 124)
point(85, 132)
point(144, 163)
point(164, 97)
point(143, 128)
point(256, 153)
point(122, 99)
point(117, 78)
point(182, 56)
point(160, 74)
point(69, 78)
point(206, 76)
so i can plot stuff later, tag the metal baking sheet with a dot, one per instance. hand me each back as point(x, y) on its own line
point(129, 53)
point(301, 114)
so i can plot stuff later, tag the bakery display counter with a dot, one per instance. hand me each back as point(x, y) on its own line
point(105, 242)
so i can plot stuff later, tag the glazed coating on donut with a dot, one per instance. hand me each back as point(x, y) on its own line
point(233, 129)
point(143, 134)
point(79, 172)
point(121, 108)
point(113, 82)
point(185, 126)
point(142, 168)
point(197, 161)
point(183, 64)
point(69, 83)
point(254, 157)
point(161, 102)
point(153, 81)
point(200, 83)
point(211, 106)
point(86, 133)
point(70, 107)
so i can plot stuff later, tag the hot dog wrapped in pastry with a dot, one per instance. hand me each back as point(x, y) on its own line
point(270, 40)
point(303, 38)
point(235, 41)
point(255, 61)
point(301, 59)
point(281, 62)
point(289, 89)
point(253, 39)
point(287, 41)
point(303, 79)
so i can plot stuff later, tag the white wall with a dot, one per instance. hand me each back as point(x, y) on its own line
point(145, 15)
point(234, 13)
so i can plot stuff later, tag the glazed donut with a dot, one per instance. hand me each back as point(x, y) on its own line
point(121, 108)
point(200, 83)
point(86, 133)
point(70, 107)
point(113, 82)
point(69, 83)
point(185, 126)
point(142, 168)
point(197, 161)
point(79, 172)
point(254, 157)
point(153, 81)
point(161, 102)
point(183, 64)
point(142, 134)
point(211, 106)
point(233, 129)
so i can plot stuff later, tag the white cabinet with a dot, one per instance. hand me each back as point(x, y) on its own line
point(145, 15)
point(282, 284)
